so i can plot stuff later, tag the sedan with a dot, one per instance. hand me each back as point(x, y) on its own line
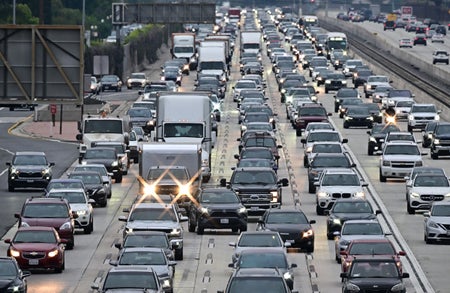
point(37, 247)
point(12, 278)
point(405, 43)
point(357, 116)
point(426, 188)
point(420, 39)
point(437, 222)
point(111, 82)
point(293, 226)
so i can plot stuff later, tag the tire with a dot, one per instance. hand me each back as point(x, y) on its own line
point(305, 162)
point(382, 178)
point(310, 248)
point(104, 203)
point(10, 188)
point(179, 254)
point(298, 132)
point(234, 230)
point(427, 240)
point(330, 236)
point(311, 188)
point(434, 156)
point(59, 270)
point(345, 125)
point(70, 245)
point(326, 91)
point(370, 151)
point(338, 259)
point(118, 178)
point(200, 230)
point(319, 211)
point(191, 226)
point(243, 229)
point(410, 129)
point(89, 228)
point(410, 210)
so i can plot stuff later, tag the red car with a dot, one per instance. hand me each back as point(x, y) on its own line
point(368, 247)
point(37, 248)
point(307, 113)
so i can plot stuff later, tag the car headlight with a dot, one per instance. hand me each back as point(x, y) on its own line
point(287, 276)
point(175, 232)
point(436, 141)
point(274, 196)
point(337, 221)
point(307, 233)
point(309, 149)
point(45, 171)
point(53, 253)
point(411, 117)
point(372, 139)
point(414, 194)
point(344, 82)
point(432, 224)
point(344, 243)
point(204, 210)
point(322, 194)
point(241, 210)
point(128, 230)
point(350, 287)
point(14, 253)
point(184, 189)
point(328, 81)
point(370, 118)
point(66, 226)
point(418, 164)
point(447, 195)
point(386, 163)
point(82, 212)
point(398, 288)
point(166, 283)
point(348, 118)
point(115, 164)
point(437, 117)
point(360, 194)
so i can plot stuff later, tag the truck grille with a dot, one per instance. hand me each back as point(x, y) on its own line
point(223, 214)
point(403, 164)
point(31, 174)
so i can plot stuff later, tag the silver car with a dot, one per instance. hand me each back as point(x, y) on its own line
point(437, 222)
point(426, 188)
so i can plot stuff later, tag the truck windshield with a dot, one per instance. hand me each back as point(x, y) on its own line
point(250, 46)
point(103, 126)
point(167, 174)
point(219, 65)
point(183, 130)
point(183, 50)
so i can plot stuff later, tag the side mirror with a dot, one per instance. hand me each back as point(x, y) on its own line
point(232, 244)
point(118, 245)
point(312, 221)
point(345, 140)
point(122, 218)
point(223, 182)
point(405, 275)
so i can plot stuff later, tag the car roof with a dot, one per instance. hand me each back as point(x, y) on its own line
point(66, 190)
point(44, 199)
point(36, 228)
point(256, 272)
point(401, 142)
point(339, 171)
point(29, 153)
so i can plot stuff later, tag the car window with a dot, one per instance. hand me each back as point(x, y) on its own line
point(263, 260)
point(431, 181)
point(142, 258)
point(145, 241)
point(362, 229)
point(340, 180)
point(130, 280)
point(47, 210)
point(262, 240)
point(352, 207)
point(286, 218)
point(72, 197)
point(152, 215)
point(257, 284)
point(29, 160)
point(372, 248)
point(401, 150)
point(34, 236)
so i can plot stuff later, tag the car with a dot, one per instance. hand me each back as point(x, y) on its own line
point(345, 209)
point(420, 39)
point(357, 116)
point(377, 135)
point(349, 65)
point(129, 279)
point(437, 38)
point(374, 111)
point(398, 158)
point(440, 56)
point(259, 127)
point(172, 73)
point(155, 239)
point(293, 226)
point(402, 108)
point(398, 136)
point(258, 108)
point(141, 117)
point(257, 280)
point(353, 230)
point(93, 184)
point(421, 114)
point(217, 208)
point(154, 258)
point(259, 188)
point(421, 170)
point(29, 169)
point(370, 272)
point(393, 95)
point(49, 212)
point(257, 239)
point(107, 156)
point(334, 184)
point(95, 85)
point(380, 93)
point(440, 143)
point(136, 79)
point(437, 222)
point(334, 82)
point(36, 248)
point(261, 152)
point(63, 183)
point(242, 84)
point(373, 82)
point(308, 113)
point(343, 94)
point(266, 258)
point(424, 189)
point(100, 168)
point(360, 76)
point(156, 217)
point(324, 161)
point(365, 247)
point(255, 117)
point(12, 277)
point(427, 133)
point(111, 82)
point(80, 204)
point(405, 43)
point(321, 147)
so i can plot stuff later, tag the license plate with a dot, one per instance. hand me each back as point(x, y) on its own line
point(290, 240)
point(33, 262)
point(254, 208)
point(224, 221)
point(30, 180)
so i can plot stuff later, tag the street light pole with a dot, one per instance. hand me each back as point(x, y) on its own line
point(14, 11)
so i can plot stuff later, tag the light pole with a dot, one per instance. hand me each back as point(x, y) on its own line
point(14, 11)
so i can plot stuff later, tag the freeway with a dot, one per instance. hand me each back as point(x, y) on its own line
point(204, 268)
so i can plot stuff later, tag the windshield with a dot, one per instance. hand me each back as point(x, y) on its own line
point(34, 237)
point(362, 229)
point(103, 153)
point(402, 150)
point(7, 269)
point(374, 269)
point(178, 49)
point(326, 148)
point(62, 185)
point(216, 197)
point(100, 169)
point(372, 248)
point(139, 112)
point(259, 153)
point(323, 136)
point(29, 160)
point(286, 218)
point(352, 207)
point(431, 181)
point(72, 197)
point(263, 260)
point(184, 130)
point(311, 111)
point(380, 128)
point(423, 109)
point(339, 161)
point(128, 279)
point(257, 284)
point(443, 129)
point(47, 210)
point(254, 177)
point(340, 180)
point(87, 178)
point(167, 174)
point(261, 240)
point(145, 241)
point(103, 126)
point(153, 215)
point(147, 258)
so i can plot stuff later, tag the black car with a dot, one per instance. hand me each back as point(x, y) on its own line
point(107, 156)
point(348, 209)
point(360, 77)
point(342, 94)
point(375, 112)
point(29, 169)
point(172, 73)
point(292, 225)
point(93, 184)
point(440, 143)
point(12, 278)
point(322, 161)
point(420, 39)
point(427, 134)
point(217, 208)
point(141, 117)
point(111, 82)
point(259, 152)
point(258, 188)
point(357, 116)
point(335, 81)
point(367, 273)
point(377, 135)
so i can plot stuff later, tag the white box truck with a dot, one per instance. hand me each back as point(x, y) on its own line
point(183, 46)
point(212, 60)
point(251, 41)
point(185, 117)
point(170, 168)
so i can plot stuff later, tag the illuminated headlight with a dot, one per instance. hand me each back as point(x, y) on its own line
point(398, 287)
point(175, 232)
point(309, 149)
point(368, 87)
point(447, 195)
point(150, 189)
point(410, 117)
point(192, 60)
point(241, 210)
point(322, 194)
point(184, 189)
point(287, 276)
point(370, 118)
point(386, 163)
point(166, 283)
point(372, 139)
point(274, 196)
point(337, 221)
point(414, 194)
point(348, 118)
point(436, 141)
point(344, 82)
point(82, 212)
point(53, 253)
point(14, 253)
point(436, 117)
point(45, 171)
point(359, 194)
point(327, 81)
point(204, 210)
point(149, 123)
point(14, 170)
point(15, 288)
point(307, 233)
point(66, 226)
point(294, 70)
point(115, 163)
point(128, 230)
point(283, 91)
point(313, 98)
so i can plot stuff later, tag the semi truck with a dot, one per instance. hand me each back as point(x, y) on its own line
point(183, 46)
point(185, 117)
point(251, 41)
point(212, 60)
point(170, 168)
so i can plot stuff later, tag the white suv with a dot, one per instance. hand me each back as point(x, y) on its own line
point(421, 114)
point(426, 188)
point(334, 184)
point(398, 159)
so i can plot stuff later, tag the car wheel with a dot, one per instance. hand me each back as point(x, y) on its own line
point(428, 240)
point(298, 132)
point(118, 178)
point(243, 229)
point(370, 151)
point(326, 91)
point(305, 161)
point(319, 210)
point(191, 225)
point(330, 236)
point(311, 187)
point(345, 125)
point(59, 270)
point(337, 258)
point(10, 188)
point(434, 156)
point(410, 129)
point(382, 178)
point(70, 245)
point(310, 248)
point(410, 210)
point(104, 203)
point(234, 229)
point(200, 230)
point(89, 228)
point(179, 253)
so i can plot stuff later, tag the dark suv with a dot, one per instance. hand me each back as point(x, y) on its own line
point(93, 184)
point(259, 188)
point(107, 156)
point(50, 212)
point(29, 169)
point(309, 113)
point(440, 141)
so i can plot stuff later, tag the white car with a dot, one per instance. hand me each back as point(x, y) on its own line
point(421, 114)
point(437, 222)
point(398, 159)
point(80, 204)
point(136, 80)
point(426, 188)
point(321, 147)
point(373, 82)
point(402, 108)
point(242, 84)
